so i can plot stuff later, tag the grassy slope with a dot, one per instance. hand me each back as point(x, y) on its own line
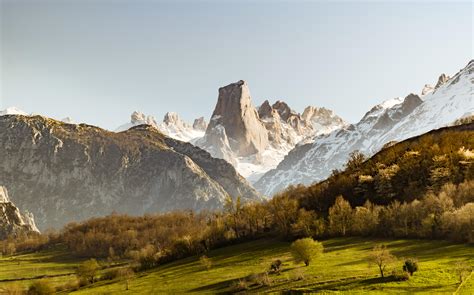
point(26, 266)
point(343, 267)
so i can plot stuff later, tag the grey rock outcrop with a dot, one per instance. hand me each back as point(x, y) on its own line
point(235, 113)
point(200, 124)
point(443, 78)
point(12, 222)
point(63, 172)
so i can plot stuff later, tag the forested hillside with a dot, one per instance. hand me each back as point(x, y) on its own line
point(401, 172)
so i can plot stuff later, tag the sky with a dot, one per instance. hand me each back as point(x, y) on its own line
point(98, 61)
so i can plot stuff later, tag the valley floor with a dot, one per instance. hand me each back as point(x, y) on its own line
point(343, 267)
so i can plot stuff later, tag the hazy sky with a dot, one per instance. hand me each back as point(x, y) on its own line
point(97, 61)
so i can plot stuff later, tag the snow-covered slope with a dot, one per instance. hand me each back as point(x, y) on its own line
point(393, 120)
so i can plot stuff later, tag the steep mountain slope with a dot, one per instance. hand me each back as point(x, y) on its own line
point(63, 172)
point(393, 120)
point(12, 222)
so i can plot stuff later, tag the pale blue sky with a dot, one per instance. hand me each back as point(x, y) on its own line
point(97, 61)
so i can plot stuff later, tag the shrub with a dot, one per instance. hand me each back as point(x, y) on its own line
point(276, 266)
point(305, 250)
point(109, 274)
point(13, 290)
point(88, 270)
point(410, 266)
point(298, 275)
point(240, 285)
point(41, 287)
point(205, 262)
point(69, 286)
point(400, 275)
point(264, 280)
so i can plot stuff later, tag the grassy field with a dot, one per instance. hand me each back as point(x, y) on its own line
point(343, 267)
point(18, 271)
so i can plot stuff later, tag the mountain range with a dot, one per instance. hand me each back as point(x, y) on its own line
point(62, 171)
point(391, 121)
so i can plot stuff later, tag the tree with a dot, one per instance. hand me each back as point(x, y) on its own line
point(126, 274)
point(305, 250)
point(340, 216)
point(307, 224)
point(88, 270)
point(356, 158)
point(381, 257)
point(410, 266)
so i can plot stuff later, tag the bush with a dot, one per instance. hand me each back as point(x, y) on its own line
point(109, 274)
point(205, 262)
point(298, 275)
point(400, 275)
point(305, 250)
point(69, 286)
point(264, 280)
point(13, 290)
point(41, 287)
point(275, 267)
point(410, 266)
point(240, 285)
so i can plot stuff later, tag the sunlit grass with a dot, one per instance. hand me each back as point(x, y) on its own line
point(343, 267)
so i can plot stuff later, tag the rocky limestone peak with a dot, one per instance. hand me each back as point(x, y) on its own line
point(137, 117)
point(283, 110)
point(235, 113)
point(311, 113)
point(410, 102)
point(443, 78)
point(140, 118)
point(172, 118)
point(265, 110)
point(200, 124)
point(427, 89)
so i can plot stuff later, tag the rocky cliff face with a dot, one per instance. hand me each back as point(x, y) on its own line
point(235, 114)
point(12, 221)
point(63, 172)
point(391, 121)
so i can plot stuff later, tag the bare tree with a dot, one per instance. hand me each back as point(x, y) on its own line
point(381, 257)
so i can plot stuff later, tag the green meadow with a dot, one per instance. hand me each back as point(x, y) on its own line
point(343, 267)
